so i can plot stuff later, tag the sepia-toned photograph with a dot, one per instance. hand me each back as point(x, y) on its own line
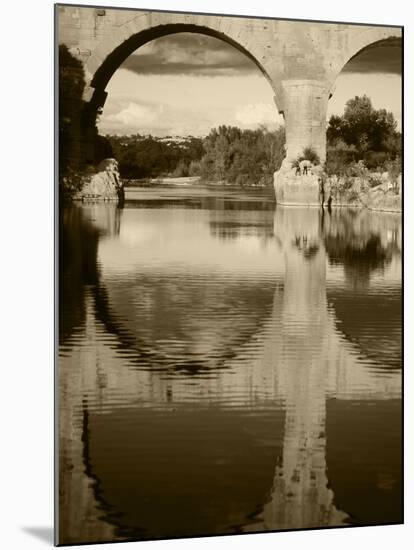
point(229, 311)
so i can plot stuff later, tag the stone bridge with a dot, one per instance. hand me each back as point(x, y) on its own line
point(301, 60)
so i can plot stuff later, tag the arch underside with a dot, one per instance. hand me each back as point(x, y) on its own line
point(114, 59)
point(365, 41)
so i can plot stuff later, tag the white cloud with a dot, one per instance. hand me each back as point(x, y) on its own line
point(254, 114)
point(182, 105)
point(136, 114)
point(190, 104)
point(127, 117)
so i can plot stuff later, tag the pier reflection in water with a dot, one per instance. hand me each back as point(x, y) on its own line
point(227, 366)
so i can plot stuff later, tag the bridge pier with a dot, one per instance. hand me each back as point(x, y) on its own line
point(305, 105)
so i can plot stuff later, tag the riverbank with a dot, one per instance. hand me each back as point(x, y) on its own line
point(374, 191)
point(186, 181)
point(154, 182)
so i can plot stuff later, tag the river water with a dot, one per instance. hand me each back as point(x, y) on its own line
point(226, 366)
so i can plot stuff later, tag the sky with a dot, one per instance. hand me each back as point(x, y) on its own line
point(186, 84)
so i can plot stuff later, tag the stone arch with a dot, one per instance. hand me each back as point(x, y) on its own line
point(358, 40)
point(112, 51)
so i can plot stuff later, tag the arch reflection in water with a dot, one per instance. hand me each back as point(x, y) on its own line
point(212, 383)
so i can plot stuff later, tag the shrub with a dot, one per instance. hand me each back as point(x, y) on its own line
point(181, 170)
point(374, 181)
point(376, 160)
point(339, 157)
point(394, 169)
point(357, 170)
point(194, 168)
point(242, 180)
point(353, 196)
point(346, 183)
point(309, 154)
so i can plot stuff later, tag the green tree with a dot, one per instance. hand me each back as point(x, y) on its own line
point(151, 157)
point(361, 125)
point(362, 133)
point(71, 86)
point(242, 157)
point(79, 141)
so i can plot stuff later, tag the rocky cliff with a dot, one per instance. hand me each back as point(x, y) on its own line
point(104, 184)
point(373, 191)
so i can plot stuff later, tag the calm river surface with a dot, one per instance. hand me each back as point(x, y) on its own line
point(227, 366)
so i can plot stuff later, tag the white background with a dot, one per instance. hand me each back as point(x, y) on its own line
point(26, 270)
